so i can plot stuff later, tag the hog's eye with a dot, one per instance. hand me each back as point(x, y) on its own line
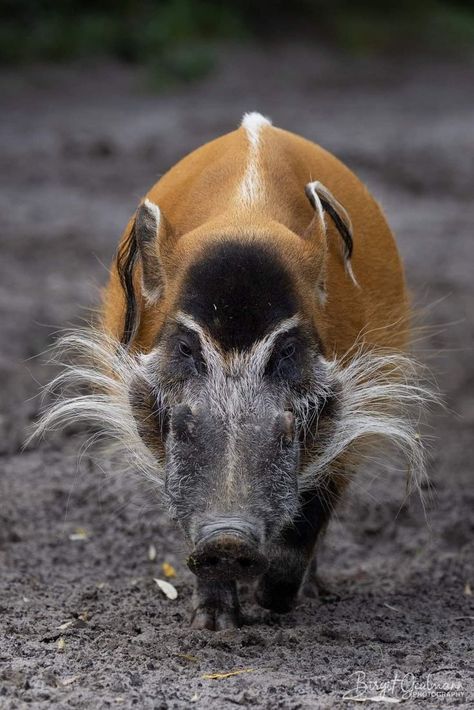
point(185, 349)
point(283, 362)
point(287, 351)
point(190, 356)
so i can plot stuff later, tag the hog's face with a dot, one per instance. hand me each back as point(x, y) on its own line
point(228, 415)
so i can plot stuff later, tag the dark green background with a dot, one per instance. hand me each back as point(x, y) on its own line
point(177, 39)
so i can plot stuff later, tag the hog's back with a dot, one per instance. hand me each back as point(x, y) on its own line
point(202, 194)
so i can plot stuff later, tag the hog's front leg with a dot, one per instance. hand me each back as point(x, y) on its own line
point(215, 606)
point(291, 554)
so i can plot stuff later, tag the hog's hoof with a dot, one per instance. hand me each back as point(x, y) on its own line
point(215, 619)
point(278, 597)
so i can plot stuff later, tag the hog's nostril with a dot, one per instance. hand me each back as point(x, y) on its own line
point(244, 562)
point(211, 560)
point(227, 555)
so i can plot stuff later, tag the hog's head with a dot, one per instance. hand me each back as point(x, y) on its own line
point(234, 371)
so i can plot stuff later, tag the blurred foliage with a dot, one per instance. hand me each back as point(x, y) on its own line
point(417, 24)
point(176, 38)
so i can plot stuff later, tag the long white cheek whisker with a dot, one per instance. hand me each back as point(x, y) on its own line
point(99, 366)
point(381, 399)
point(379, 396)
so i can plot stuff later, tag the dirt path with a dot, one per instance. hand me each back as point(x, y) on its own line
point(78, 148)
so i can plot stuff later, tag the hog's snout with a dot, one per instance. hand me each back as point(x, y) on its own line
point(227, 552)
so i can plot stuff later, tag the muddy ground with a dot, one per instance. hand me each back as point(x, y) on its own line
point(79, 146)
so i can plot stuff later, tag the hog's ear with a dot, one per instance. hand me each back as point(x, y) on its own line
point(322, 200)
point(149, 226)
point(142, 246)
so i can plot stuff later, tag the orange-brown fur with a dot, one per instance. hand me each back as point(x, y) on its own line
point(198, 199)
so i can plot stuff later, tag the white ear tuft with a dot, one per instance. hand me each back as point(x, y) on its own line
point(148, 225)
point(154, 209)
point(323, 201)
point(315, 200)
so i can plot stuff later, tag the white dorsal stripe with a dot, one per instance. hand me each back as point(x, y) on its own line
point(251, 188)
point(253, 122)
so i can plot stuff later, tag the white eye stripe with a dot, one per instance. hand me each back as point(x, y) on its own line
point(262, 350)
point(254, 360)
point(189, 322)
